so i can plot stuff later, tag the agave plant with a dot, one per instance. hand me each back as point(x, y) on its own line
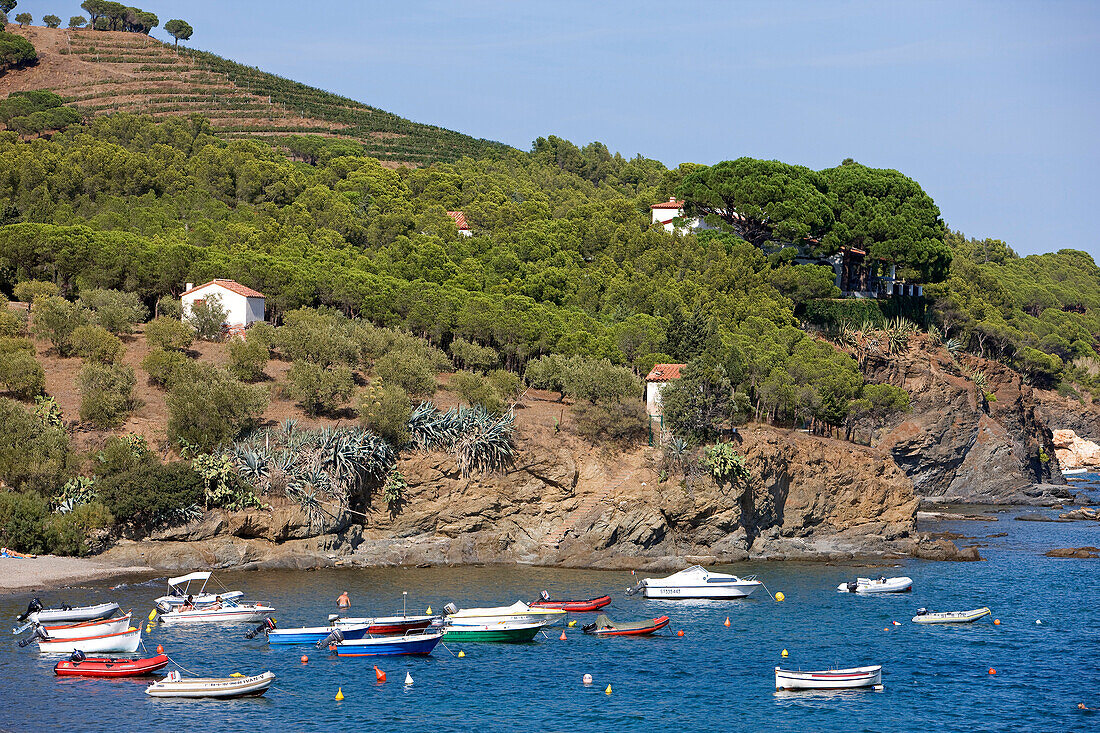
point(487, 446)
point(953, 346)
point(935, 335)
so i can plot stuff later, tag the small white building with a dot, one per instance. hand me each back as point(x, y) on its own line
point(243, 305)
point(655, 381)
point(461, 223)
point(665, 212)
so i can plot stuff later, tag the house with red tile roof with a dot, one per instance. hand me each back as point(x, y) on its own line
point(243, 305)
point(666, 211)
point(659, 376)
point(460, 222)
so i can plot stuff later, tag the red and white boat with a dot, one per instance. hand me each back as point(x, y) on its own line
point(109, 667)
point(830, 679)
point(121, 642)
point(591, 604)
point(89, 628)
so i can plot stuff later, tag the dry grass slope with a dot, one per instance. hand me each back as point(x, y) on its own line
point(100, 72)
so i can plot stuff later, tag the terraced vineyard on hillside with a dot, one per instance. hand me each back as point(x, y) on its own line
point(101, 72)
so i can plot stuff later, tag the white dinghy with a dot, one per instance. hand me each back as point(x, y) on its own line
point(877, 585)
point(89, 628)
point(66, 614)
point(193, 585)
point(121, 642)
point(518, 612)
point(950, 617)
point(222, 687)
point(829, 679)
point(698, 582)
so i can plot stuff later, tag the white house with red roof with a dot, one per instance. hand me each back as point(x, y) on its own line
point(243, 305)
point(664, 213)
point(659, 376)
point(460, 222)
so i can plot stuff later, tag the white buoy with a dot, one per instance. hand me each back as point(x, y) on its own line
point(408, 679)
point(1038, 622)
point(587, 679)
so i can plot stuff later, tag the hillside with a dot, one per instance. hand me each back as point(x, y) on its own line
point(100, 72)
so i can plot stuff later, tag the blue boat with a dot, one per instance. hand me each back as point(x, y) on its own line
point(421, 644)
point(313, 634)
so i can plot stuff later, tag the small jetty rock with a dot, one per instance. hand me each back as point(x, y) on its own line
point(927, 516)
point(1084, 512)
point(1082, 553)
point(942, 549)
point(1074, 451)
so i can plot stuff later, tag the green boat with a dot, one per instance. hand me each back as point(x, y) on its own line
point(503, 631)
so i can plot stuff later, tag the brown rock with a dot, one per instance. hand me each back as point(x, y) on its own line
point(1083, 553)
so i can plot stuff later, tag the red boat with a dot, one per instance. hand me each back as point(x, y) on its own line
point(388, 624)
point(109, 667)
point(592, 604)
point(606, 627)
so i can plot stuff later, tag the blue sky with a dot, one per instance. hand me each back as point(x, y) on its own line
point(992, 106)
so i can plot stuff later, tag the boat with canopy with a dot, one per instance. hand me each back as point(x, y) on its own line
point(193, 585)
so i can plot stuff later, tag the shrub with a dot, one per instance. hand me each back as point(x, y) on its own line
point(476, 390)
point(78, 21)
point(724, 463)
point(29, 291)
point(473, 356)
point(106, 394)
point(34, 456)
point(264, 334)
point(320, 337)
point(51, 21)
point(507, 384)
point(385, 410)
point(55, 319)
point(207, 317)
point(11, 325)
point(48, 412)
point(169, 333)
point(120, 455)
point(409, 370)
point(247, 358)
point(70, 531)
point(211, 407)
point(168, 307)
point(20, 374)
point(319, 389)
point(97, 344)
point(582, 378)
point(619, 422)
point(23, 522)
point(152, 493)
point(115, 310)
point(163, 366)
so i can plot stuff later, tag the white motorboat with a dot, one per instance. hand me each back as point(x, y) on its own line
point(519, 612)
point(228, 613)
point(179, 589)
point(698, 582)
point(121, 642)
point(877, 585)
point(35, 613)
point(89, 628)
point(829, 679)
point(176, 686)
point(950, 617)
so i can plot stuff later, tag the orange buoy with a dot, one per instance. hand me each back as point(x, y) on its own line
point(562, 637)
point(992, 671)
point(304, 659)
point(160, 648)
point(996, 622)
point(727, 623)
point(379, 674)
point(680, 632)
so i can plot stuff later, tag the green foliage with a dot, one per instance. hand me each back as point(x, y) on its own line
point(106, 394)
point(211, 408)
point(385, 409)
point(247, 358)
point(319, 389)
point(78, 491)
point(169, 333)
point(152, 493)
point(36, 111)
point(24, 19)
point(164, 367)
point(624, 422)
point(51, 21)
point(724, 464)
point(393, 491)
point(118, 17)
point(507, 384)
point(11, 324)
point(34, 456)
point(55, 319)
point(408, 370)
point(29, 291)
point(805, 283)
point(70, 531)
point(122, 454)
point(77, 21)
point(476, 391)
point(96, 343)
point(591, 380)
point(324, 338)
point(24, 520)
point(222, 486)
point(479, 440)
point(473, 356)
point(48, 412)
point(15, 51)
point(702, 403)
point(115, 310)
point(180, 30)
point(6, 6)
point(21, 376)
point(207, 316)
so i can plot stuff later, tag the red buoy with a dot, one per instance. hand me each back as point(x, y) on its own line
point(379, 674)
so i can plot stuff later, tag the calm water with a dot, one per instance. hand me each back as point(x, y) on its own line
point(711, 678)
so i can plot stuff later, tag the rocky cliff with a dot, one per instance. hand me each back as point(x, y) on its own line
point(568, 504)
point(958, 448)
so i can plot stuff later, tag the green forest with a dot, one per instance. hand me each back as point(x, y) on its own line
point(566, 285)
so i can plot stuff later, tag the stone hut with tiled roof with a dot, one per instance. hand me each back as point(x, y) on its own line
point(655, 381)
point(243, 305)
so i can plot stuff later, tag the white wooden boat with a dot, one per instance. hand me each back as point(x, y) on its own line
point(1074, 471)
point(950, 617)
point(89, 628)
point(698, 582)
point(518, 612)
point(121, 642)
point(877, 585)
point(829, 679)
point(175, 686)
point(67, 614)
point(230, 613)
point(185, 585)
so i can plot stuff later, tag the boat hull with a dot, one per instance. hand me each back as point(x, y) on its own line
point(125, 642)
point(655, 626)
point(711, 592)
point(233, 615)
point(832, 679)
point(88, 628)
point(418, 644)
point(952, 617)
point(74, 615)
point(866, 586)
point(388, 624)
point(592, 604)
point(501, 633)
point(313, 634)
point(110, 667)
point(225, 687)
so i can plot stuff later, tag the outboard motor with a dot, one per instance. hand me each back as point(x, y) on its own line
point(334, 638)
point(852, 586)
point(636, 589)
point(451, 608)
point(77, 656)
point(332, 618)
point(39, 633)
point(922, 611)
point(545, 595)
point(265, 626)
point(33, 607)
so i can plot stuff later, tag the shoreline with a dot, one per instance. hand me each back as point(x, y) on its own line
point(53, 572)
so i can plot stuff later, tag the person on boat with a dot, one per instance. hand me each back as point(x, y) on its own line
point(217, 603)
point(189, 604)
point(344, 602)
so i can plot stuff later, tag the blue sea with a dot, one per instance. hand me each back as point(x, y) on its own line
point(712, 678)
